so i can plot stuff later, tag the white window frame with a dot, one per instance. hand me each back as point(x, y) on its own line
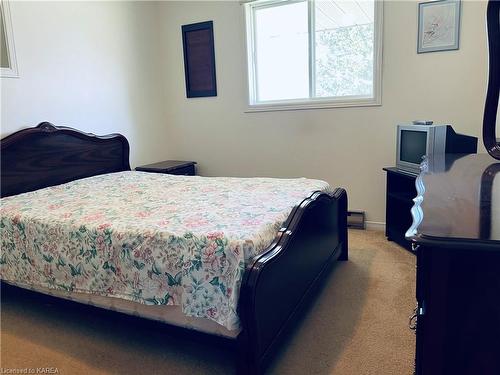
point(11, 71)
point(310, 103)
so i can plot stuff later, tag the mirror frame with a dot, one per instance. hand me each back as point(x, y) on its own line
point(486, 200)
point(491, 105)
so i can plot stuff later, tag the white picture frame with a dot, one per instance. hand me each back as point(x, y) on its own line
point(11, 69)
point(438, 26)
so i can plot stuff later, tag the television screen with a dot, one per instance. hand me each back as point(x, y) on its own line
point(413, 146)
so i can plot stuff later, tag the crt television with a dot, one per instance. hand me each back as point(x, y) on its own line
point(416, 141)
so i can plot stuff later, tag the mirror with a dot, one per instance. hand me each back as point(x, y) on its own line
point(490, 120)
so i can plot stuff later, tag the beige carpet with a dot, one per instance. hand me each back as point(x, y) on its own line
point(357, 325)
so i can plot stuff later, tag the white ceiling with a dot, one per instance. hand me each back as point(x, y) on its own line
point(331, 14)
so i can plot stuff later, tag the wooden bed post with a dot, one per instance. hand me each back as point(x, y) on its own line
point(344, 238)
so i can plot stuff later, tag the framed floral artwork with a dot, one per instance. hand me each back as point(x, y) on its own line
point(438, 26)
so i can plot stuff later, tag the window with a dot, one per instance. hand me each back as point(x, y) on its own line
point(313, 53)
point(8, 64)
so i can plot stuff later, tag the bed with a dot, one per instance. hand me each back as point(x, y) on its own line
point(207, 254)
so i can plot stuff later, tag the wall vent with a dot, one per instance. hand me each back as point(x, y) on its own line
point(356, 219)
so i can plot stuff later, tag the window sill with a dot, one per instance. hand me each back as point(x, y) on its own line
point(9, 73)
point(304, 105)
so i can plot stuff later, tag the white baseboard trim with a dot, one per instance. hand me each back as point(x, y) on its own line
point(375, 225)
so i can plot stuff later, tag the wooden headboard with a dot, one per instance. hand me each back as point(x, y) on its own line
point(48, 155)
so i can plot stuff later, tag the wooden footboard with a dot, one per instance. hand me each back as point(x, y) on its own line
point(278, 281)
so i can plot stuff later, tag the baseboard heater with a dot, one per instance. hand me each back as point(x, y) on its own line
point(356, 219)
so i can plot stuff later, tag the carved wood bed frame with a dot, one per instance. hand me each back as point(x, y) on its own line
point(276, 283)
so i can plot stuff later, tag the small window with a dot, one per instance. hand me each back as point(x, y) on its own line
point(313, 53)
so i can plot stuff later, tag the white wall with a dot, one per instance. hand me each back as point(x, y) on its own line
point(89, 65)
point(348, 146)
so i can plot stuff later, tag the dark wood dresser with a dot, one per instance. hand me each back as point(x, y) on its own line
point(456, 235)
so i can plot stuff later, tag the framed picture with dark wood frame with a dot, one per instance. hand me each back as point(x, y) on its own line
point(199, 59)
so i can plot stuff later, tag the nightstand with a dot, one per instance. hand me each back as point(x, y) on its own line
point(186, 168)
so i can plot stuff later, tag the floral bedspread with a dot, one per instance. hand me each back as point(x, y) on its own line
point(150, 238)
